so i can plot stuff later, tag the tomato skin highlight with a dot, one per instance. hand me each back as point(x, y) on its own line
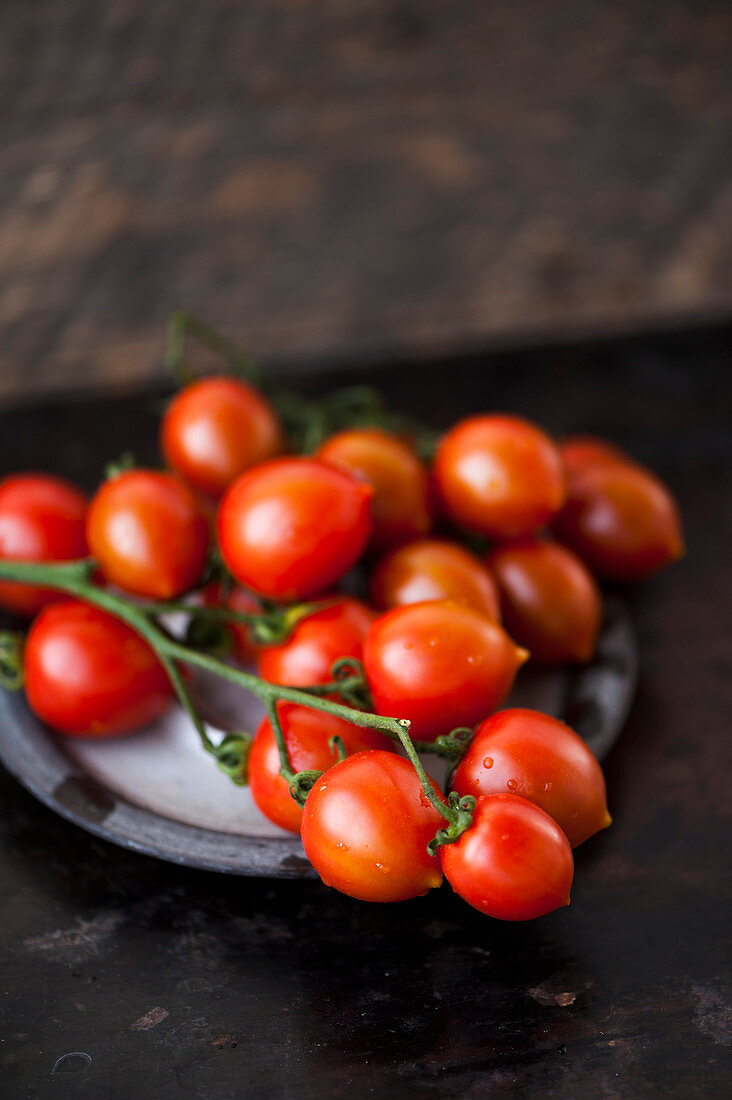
point(550, 602)
point(499, 475)
point(366, 826)
point(291, 527)
point(621, 520)
point(434, 569)
point(216, 428)
point(400, 506)
point(533, 755)
point(41, 519)
point(147, 533)
point(513, 862)
point(307, 733)
point(439, 664)
point(89, 675)
point(316, 643)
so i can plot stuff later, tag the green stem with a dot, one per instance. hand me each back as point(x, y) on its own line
point(270, 626)
point(182, 325)
point(274, 720)
point(306, 422)
point(429, 790)
point(458, 812)
point(73, 578)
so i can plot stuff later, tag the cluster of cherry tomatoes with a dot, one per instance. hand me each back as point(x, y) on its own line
point(441, 634)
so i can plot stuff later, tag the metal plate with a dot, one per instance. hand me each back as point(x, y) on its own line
point(156, 791)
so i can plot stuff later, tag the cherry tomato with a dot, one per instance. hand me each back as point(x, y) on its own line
point(366, 827)
point(90, 675)
point(549, 600)
point(238, 599)
point(400, 506)
point(307, 733)
point(499, 475)
point(308, 655)
point(434, 569)
point(439, 664)
point(147, 533)
point(513, 862)
point(621, 520)
point(291, 527)
point(41, 519)
point(215, 429)
point(536, 756)
point(580, 451)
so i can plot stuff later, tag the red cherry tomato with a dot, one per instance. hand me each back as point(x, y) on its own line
point(536, 756)
point(400, 506)
point(434, 569)
point(549, 600)
point(439, 664)
point(238, 599)
point(308, 655)
point(307, 733)
point(90, 675)
point(621, 520)
point(41, 519)
point(580, 451)
point(366, 827)
point(147, 533)
point(513, 862)
point(500, 476)
point(215, 429)
point(291, 527)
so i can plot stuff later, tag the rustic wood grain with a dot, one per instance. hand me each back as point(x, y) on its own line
point(347, 180)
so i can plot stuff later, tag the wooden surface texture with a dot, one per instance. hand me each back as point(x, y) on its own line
point(342, 181)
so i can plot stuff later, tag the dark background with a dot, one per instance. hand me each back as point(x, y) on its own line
point(476, 205)
point(181, 983)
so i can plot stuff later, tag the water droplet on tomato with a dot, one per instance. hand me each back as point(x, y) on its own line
point(547, 786)
point(488, 762)
point(511, 784)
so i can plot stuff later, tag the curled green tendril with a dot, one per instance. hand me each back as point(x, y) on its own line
point(302, 784)
point(232, 755)
point(460, 820)
point(337, 745)
point(452, 745)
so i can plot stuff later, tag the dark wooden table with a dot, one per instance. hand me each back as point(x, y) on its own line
point(355, 178)
point(123, 977)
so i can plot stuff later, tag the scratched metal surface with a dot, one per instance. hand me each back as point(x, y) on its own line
point(123, 976)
